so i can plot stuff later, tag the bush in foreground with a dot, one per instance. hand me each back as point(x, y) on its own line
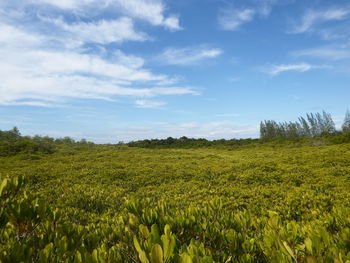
point(32, 231)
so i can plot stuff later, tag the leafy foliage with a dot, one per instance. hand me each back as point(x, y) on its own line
point(13, 143)
point(31, 231)
point(184, 142)
point(272, 202)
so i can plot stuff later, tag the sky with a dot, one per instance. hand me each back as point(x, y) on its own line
point(122, 70)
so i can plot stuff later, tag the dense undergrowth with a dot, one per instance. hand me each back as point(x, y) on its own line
point(271, 201)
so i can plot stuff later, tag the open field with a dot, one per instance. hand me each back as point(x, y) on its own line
point(255, 203)
point(256, 178)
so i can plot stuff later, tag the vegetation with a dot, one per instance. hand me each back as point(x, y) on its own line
point(12, 143)
point(262, 201)
point(184, 142)
point(346, 124)
point(282, 198)
point(312, 126)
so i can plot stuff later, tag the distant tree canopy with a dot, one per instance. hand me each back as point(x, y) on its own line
point(310, 126)
point(185, 142)
point(11, 135)
point(12, 143)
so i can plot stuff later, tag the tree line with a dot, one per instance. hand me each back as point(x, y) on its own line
point(312, 125)
point(12, 143)
point(185, 142)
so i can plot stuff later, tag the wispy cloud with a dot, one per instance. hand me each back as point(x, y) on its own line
point(236, 13)
point(332, 52)
point(232, 19)
point(54, 51)
point(65, 4)
point(301, 67)
point(101, 32)
point(35, 73)
point(13, 37)
point(187, 56)
point(152, 11)
point(149, 103)
point(313, 18)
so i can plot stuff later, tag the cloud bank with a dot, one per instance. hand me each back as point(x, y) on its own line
point(55, 59)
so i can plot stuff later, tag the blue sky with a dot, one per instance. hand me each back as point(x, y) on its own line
point(121, 70)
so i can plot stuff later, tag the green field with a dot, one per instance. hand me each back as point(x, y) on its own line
point(270, 202)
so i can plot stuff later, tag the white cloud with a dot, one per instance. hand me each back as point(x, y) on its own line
point(149, 103)
point(335, 52)
point(149, 10)
point(232, 19)
point(65, 4)
point(11, 36)
point(264, 7)
point(152, 11)
point(173, 90)
point(29, 103)
point(187, 56)
point(336, 32)
point(301, 67)
point(101, 32)
point(33, 75)
point(312, 18)
point(236, 13)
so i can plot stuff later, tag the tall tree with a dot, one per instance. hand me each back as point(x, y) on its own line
point(305, 130)
point(346, 124)
point(312, 119)
point(328, 123)
point(311, 126)
point(263, 132)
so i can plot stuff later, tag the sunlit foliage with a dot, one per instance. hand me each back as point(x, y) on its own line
point(278, 201)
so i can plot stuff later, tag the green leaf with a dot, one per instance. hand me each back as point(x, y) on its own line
point(289, 250)
point(143, 257)
point(78, 258)
point(95, 256)
point(137, 245)
point(311, 259)
point(308, 245)
point(144, 231)
point(229, 259)
point(155, 234)
point(185, 258)
point(45, 253)
point(156, 254)
point(3, 185)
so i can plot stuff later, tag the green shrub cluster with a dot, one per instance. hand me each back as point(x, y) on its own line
point(12, 143)
point(32, 231)
point(275, 201)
